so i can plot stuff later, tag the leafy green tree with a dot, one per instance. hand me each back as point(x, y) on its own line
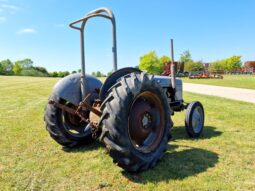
point(93, 74)
point(192, 66)
point(7, 67)
point(1, 69)
point(229, 64)
point(17, 68)
point(41, 69)
point(109, 73)
point(99, 74)
point(62, 74)
point(32, 72)
point(74, 72)
point(53, 74)
point(66, 73)
point(164, 59)
point(217, 65)
point(185, 57)
point(26, 63)
point(233, 63)
point(150, 63)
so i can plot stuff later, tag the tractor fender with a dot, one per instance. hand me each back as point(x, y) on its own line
point(112, 79)
point(69, 87)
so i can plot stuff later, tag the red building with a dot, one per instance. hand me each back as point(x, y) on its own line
point(249, 67)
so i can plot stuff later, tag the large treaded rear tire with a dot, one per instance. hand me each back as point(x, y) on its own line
point(115, 122)
point(55, 127)
point(112, 79)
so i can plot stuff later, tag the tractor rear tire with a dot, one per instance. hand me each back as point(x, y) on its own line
point(64, 128)
point(136, 122)
point(194, 119)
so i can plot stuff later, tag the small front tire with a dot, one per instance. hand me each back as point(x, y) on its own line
point(194, 119)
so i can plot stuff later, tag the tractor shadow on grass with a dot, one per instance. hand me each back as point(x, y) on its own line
point(83, 148)
point(176, 165)
point(179, 132)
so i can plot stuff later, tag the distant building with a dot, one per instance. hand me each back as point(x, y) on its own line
point(167, 68)
point(249, 67)
point(206, 67)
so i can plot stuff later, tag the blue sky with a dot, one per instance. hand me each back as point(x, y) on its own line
point(210, 29)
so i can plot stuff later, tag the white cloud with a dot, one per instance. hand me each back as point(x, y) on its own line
point(27, 31)
point(2, 19)
point(8, 8)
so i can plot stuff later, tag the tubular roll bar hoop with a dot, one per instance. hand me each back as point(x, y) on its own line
point(101, 12)
point(173, 78)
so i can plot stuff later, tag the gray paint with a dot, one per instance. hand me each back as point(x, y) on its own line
point(165, 82)
point(69, 88)
point(173, 80)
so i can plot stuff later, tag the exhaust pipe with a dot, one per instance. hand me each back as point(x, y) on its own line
point(172, 66)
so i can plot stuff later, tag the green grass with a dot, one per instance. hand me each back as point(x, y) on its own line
point(238, 81)
point(102, 79)
point(222, 159)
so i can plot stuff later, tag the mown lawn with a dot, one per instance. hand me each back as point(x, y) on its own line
point(238, 81)
point(222, 159)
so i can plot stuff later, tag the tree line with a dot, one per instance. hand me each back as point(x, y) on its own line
point(25, 67)
point(150, 62)
point(153, 64)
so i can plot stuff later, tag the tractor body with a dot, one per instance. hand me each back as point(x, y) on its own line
point(165, 82)
point(69, 87)
point(130, 112)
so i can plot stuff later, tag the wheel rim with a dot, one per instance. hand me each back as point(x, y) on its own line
point(146, 122)
point(197, 119)
point(73, 124)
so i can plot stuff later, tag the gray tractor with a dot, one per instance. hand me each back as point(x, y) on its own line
point(130, 112)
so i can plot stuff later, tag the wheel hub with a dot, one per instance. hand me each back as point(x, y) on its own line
point(197, 121)
point(146, 122)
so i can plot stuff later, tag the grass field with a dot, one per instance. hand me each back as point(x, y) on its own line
point(238, 81)
point(222, 159)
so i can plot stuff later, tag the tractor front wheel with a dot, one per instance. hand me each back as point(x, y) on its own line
point(194, 120)
point(136, 122)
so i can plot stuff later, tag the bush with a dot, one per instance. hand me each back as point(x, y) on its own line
point(32, 72)
point(192, 66)
point(98, 74)
point(41, 69)
point(229, 64)
point(151, 63)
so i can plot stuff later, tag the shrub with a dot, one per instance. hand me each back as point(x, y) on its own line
point(32, 72)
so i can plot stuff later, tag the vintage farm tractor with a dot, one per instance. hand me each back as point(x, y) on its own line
point(130, 112)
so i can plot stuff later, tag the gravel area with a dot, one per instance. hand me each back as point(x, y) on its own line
point(240, 94)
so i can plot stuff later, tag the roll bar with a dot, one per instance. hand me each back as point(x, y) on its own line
point(100, 12)
point(173, 78)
